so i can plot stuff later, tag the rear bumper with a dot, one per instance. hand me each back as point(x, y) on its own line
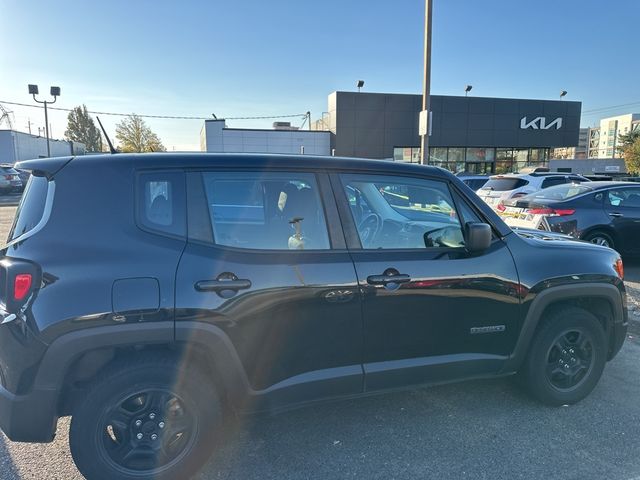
point(28, 418)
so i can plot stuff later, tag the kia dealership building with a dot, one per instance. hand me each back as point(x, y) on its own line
point(473, 134)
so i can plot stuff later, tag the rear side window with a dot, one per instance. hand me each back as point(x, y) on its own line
point(32, 207)
point(161, 204)
point(503, 184)
point(553, 181)
point(266, 210)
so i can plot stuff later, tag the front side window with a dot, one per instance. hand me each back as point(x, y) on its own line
point(402, 213)
point(266, 210)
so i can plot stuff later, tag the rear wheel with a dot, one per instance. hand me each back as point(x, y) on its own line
point(145, 420)
point(600, 238)
point(566, 357)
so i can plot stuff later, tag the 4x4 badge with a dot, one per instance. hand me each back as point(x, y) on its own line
point(487, 329)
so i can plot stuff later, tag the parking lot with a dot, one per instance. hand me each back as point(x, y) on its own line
point(481, 429)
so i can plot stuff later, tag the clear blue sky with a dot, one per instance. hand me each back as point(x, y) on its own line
point(261, 57)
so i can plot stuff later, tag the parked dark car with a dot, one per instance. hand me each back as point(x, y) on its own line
point(474, 182)
point(606, 213)
point(150, 297)
point(10, 181)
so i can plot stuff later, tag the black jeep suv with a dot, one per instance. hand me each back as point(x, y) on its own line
point(152, 296)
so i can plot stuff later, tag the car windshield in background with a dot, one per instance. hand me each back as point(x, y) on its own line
point(559, 192)
point(503, 184)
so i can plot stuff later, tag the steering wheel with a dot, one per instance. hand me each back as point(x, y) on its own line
point(369, 229)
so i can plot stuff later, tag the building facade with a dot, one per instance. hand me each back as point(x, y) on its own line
point(216, 137)
point(16, 146)
point(474, 134)
point(603, 140)
point(580, 151)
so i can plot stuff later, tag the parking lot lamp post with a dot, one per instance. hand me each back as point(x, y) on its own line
point(55, 93)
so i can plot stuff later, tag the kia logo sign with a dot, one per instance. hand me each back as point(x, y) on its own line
point(540, 123)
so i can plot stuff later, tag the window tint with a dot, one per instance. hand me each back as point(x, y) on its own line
point(624, 197)
point(553, 181)
point(503, 184)
point(266, 210)
point(161, 202)
point(31, 208)
point(402, 213)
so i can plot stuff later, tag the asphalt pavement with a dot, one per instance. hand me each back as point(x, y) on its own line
point(477, 430)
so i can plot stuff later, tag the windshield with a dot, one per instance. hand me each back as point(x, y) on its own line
point(559, 192)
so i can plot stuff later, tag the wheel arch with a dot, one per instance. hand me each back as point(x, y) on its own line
point(602, 299)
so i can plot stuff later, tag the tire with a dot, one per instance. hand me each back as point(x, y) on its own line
point(145, 396)
point(600, 238)
point(546, 369)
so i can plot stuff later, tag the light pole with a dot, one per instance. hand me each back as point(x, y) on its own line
point(55, 93)
point(562, 94)
point(426, 102)
point(467, 89)
point(360, 84)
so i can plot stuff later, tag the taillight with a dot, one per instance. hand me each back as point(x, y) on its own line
point(555, 212)
point(619, 268)
point(501, 207)
point(21, 286)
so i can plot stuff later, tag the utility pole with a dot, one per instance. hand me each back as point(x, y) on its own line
point(426, 101)
point(29, 125)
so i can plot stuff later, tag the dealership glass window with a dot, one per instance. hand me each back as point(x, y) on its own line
point(455, 155)
point(480, 154)
point(520, 159)
point(437, 154)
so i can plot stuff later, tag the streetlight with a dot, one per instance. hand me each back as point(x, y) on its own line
point(55, 93)
point(467, 89)
point(360, 84)
point(562, 93)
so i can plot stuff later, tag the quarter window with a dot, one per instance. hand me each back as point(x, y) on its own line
point(161, 202)
point(266, 210)
point(402, 213)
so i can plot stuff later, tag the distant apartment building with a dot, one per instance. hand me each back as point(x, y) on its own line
point(603, 140)
point(579, 151)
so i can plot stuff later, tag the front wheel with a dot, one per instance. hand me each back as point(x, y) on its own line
point(566, 357)
point(145, 420)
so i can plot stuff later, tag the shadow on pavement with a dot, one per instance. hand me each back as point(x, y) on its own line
point(8, 470)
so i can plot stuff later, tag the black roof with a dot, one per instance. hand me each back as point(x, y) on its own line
point(198, 160)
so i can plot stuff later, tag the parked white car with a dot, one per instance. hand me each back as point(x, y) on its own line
point(512, 185)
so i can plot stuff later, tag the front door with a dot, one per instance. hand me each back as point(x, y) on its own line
point(431, 311)
point(262, 266)
point(623, 207)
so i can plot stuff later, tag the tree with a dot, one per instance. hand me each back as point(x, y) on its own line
point(627, 139)
point(631, 154)
point(135, 135)
point(80, 128)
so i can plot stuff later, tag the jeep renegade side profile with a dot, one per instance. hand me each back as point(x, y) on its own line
point(151, 296)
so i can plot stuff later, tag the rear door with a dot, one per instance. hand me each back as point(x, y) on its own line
point(266, 263)
point(622, 205)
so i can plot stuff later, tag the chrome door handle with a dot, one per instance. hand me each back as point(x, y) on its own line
point(616, 214)
point(387, 279)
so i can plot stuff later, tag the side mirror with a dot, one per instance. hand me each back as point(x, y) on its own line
point(477, 237)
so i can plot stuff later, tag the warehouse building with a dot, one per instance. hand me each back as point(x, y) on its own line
point(16, 146)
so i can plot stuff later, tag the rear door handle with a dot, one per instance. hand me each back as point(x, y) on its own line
point(616, 214)
point(218, 285)
point(226, 281)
